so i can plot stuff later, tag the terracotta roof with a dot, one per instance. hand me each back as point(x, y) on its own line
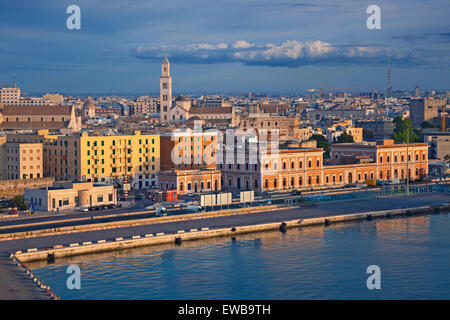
point(20, 110)
point(34, 125)
point(275, 107)
point(206, 110)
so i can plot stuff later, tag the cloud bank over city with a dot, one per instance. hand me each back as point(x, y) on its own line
point(290, 53)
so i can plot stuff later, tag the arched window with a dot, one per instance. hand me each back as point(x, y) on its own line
point(318, 180)
point(300, 182)
point(274, 183)
point(300, 164)
point(309, 180)
point(284, 182)
point(292, 165)
point(292, 182)
point(266, 184)
point(181, 186)
point(309, 164)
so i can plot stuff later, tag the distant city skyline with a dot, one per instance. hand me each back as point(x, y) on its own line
point(223, 46)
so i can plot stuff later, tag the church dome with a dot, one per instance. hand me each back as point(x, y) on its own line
point(89, 104)
point(182, 98)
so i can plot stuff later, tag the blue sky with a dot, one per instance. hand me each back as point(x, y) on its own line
point(223, 45)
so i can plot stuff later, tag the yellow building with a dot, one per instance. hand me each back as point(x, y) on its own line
point(105, 158)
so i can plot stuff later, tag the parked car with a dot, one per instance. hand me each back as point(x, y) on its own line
point(13, 211)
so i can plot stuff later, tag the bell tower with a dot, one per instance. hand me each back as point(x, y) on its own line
point(165, 91)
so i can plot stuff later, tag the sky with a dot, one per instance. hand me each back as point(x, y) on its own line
point(223, 46)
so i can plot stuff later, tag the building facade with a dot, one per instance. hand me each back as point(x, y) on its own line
point(105, 158)
point(23, 160)
point(71, 195)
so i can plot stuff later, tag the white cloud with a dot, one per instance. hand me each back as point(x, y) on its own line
point(290, 53)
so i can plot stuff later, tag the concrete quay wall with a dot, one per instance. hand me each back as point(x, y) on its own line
point(75, 249)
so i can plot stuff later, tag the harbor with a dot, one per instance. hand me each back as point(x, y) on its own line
point(51, 248)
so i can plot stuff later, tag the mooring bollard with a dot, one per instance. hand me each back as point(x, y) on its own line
point(50, 257)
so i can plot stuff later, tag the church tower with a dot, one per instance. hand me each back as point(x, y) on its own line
point(165, 91)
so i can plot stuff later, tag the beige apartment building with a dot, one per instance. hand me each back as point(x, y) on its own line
point(70, 195)
point(9, 96)
point(23, 160)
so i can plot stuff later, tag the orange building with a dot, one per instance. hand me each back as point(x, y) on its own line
point(188, 162)
point(297, 168)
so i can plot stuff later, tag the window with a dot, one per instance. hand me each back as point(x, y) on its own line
point(100, 198)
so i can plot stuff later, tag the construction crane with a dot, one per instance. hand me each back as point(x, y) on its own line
point(333, 89)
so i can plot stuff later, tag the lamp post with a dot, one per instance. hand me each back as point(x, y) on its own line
point(407, 161)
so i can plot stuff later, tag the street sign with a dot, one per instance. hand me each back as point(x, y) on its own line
point(208, 200)
point(247, 196)
point(224, 198)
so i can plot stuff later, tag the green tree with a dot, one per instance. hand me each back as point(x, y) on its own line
point(19, 203)
point(322, 143)
point(345, 138)
point(401, 131)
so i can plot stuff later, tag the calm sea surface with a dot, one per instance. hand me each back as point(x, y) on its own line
point(310, 263)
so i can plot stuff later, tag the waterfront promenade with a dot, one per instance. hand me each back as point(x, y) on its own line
point(312, 211)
